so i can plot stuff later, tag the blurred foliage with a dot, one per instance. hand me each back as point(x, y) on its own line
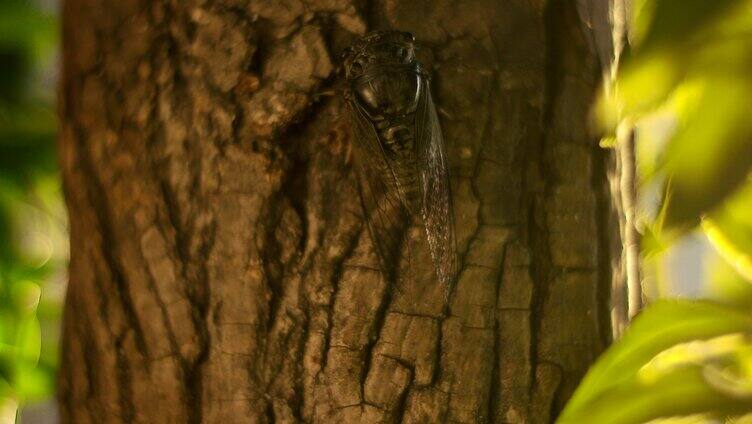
point(679, 358)
point(33, 245)
point(686, 89)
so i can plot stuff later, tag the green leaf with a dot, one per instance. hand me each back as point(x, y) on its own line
point(745, 419)
point(661, 22)
point(22, 23)
point(691, 71)
point(718, 48)
point(682, 391)
point(30, 119)
point(711, 153)
point(727, 286)
point(730, 231)
point(33, 383)
point(26, 296)
point(658, 327)
point(28, 340)
point(691, 419)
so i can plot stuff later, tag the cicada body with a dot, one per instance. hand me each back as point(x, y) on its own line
point(400, 153)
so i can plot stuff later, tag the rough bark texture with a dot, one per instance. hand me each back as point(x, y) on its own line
point(220, 268)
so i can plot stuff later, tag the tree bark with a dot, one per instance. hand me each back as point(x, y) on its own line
point(220, 268)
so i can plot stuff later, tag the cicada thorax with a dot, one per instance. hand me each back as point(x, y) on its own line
point(387, 90)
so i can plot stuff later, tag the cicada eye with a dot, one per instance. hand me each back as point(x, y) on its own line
point(403, 54)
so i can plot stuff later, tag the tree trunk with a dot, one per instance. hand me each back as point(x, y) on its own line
point(220, 268)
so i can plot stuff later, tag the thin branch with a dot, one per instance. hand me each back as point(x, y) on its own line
point(626, 151)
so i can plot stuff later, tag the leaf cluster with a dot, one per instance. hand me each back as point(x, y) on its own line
point(32, 220)
point(686, 89)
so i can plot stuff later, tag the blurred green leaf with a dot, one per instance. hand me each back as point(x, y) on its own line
point(709, 149)
point(746, 419)
point(732, 375)
point(690, 68)
point(730, 231)
point(28, 120)
point(653, 133)
point(28, 340)
point(33, 382)
point(662, 325)
point(32, 229)
point(711, 153)
point(686, 89)
point(656, 240)
point(727, 286)
point(682, 391)
point(703, 377)
point(668, 22)
point(22, 23)
point(26, 297)
point(691, 419)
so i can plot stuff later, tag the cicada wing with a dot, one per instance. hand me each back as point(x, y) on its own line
point(437, 208)
point(386, 215)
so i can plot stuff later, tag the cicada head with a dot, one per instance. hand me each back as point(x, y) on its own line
point(383, 74)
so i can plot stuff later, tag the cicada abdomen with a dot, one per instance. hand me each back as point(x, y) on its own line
point(400, 152)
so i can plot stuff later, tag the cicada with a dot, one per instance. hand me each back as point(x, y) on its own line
point(399, 149)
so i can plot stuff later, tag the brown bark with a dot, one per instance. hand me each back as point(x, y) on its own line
point(220, 269)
